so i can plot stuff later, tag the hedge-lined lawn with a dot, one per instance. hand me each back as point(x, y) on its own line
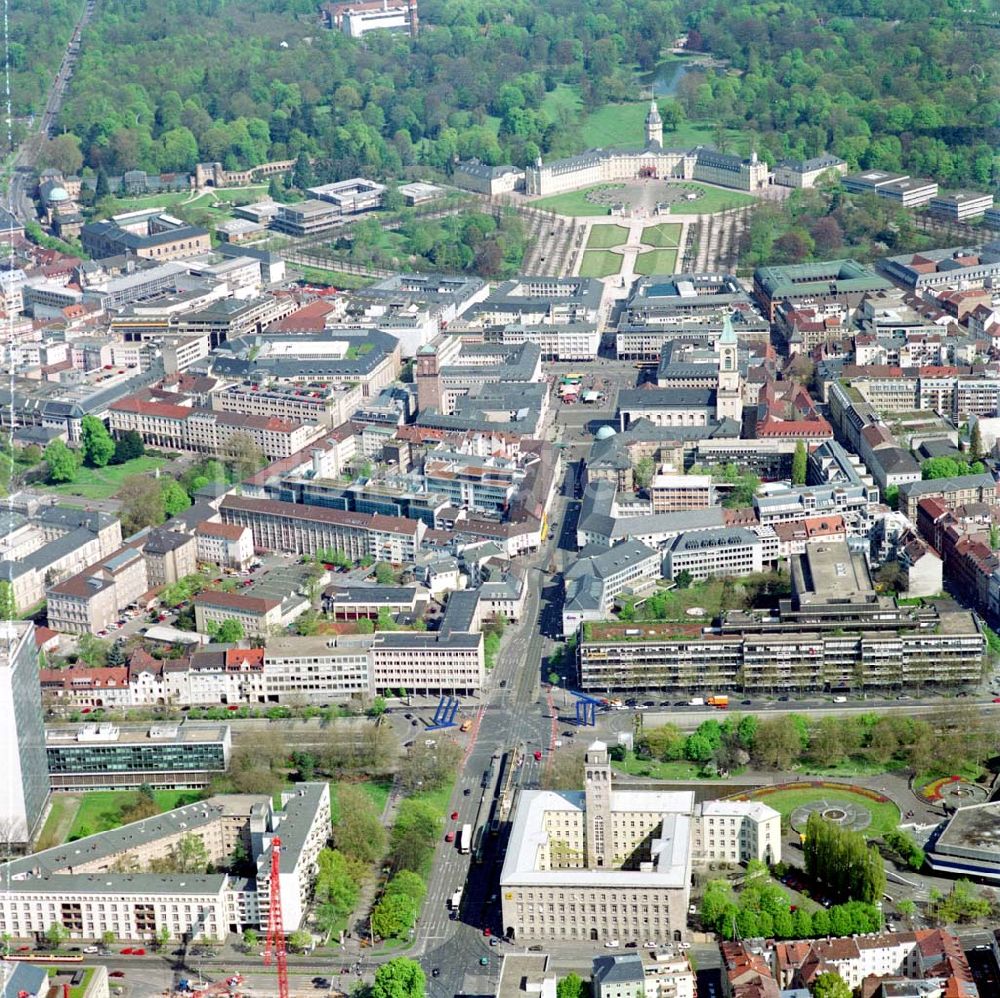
point(606, 236)
point(102, 483)
point(575, 203)
point(600, 263)
point(665, 234)
point(885, 816)
point(660, 261)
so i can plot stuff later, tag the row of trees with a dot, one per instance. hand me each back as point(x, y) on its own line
point(843, 861)
point(763, 908)
point(948, 740)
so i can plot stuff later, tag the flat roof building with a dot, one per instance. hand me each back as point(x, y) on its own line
point(165, 756)
point(26, 777)
point(617, 861)
point(960, 205)
point(968, 843)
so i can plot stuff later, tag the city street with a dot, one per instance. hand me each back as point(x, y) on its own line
point(515, 714)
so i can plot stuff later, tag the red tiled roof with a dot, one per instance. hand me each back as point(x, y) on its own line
point(43, 635)
point(236, 601)
point(112, 677)
point(230, 531)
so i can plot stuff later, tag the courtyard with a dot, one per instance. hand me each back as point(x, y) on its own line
point(645, 198)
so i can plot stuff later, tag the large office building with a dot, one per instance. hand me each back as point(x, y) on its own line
point(834, 632)
point(601, 574)
point(823, 284)
point(165, 756)
point(298, 529)
point(600, 865)
point(26, 784)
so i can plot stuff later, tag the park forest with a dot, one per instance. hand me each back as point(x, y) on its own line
point(160, 86)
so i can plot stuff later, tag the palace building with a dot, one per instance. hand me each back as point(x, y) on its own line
point(598, 166)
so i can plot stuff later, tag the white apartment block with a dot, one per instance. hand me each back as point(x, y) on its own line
point(329, 406)
point(642, 975)
point(428, 663)
point(317, 670)
point(727, 551)
point(259, 617)
point(80, 886)
point(672, 491)
point(224, 544)
point(563, 876)
point(735, 831)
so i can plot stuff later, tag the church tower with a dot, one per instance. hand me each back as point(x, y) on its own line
point(654, 126)
point(729, 393)
point(600, 834)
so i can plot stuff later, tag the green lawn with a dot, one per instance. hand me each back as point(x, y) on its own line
point(884, 816)
point(574, 202)
point(438, 799)
point(102, 483)
point(606, 236)
point(661, 261)
point(681, 769)
point(334, 278)
point(624, 126)
point(117, 205)
point(564, 99)
point(99, 810)
point(600, 263)
point(710, 200)
point(240, 195)
point(58, 822)
point(376, 790)
point(667, 234)
point(66, 973)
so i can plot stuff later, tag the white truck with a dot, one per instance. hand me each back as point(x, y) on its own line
point(456, 900)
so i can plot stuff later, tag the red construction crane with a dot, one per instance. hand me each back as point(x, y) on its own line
point(275, 928)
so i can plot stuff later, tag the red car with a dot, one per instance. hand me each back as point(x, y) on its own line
point(487, 933)
point(117, 973)
point(450, 837)
point(138, 952)
point(127, 951)
point(454, 815)
point(996, 699)
point(538, 757)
